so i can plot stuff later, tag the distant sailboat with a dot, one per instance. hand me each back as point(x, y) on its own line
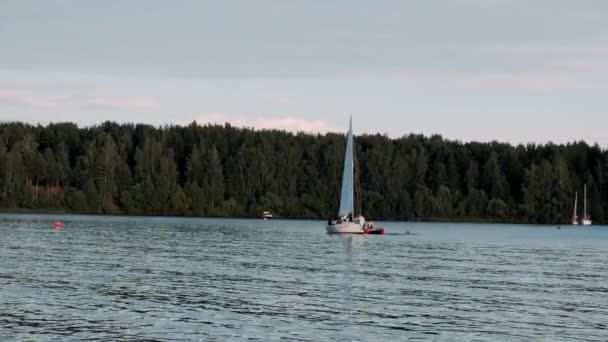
point(586, 217)
point(574, 215)
point(347, 222)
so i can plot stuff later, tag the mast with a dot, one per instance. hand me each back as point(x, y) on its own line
point(585, 202)
point(358, 206)
point(347, 194)
point(574, 218)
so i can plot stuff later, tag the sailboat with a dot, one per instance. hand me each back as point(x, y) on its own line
point(574, 215)
point(586, 217)
point(347, 222)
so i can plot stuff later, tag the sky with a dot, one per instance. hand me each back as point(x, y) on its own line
point(472, 70)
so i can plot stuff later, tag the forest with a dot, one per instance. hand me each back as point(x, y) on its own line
point(221, 170)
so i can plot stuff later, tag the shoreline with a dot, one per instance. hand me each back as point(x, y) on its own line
point(17, 211)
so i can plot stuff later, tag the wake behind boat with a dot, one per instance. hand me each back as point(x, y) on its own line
point(347, 222)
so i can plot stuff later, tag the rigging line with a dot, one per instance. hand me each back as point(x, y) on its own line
point(358, 194)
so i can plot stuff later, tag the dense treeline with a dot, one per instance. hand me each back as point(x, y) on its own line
point(223, 170)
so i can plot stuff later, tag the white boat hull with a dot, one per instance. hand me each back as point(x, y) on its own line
point(345, 228)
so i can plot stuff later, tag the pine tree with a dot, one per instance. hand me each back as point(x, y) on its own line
point(472, 176)
point(194, 181)
point(213, 181)
point(493, 179)
point(104, 167)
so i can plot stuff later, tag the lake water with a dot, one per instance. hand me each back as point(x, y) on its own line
point(134, 278)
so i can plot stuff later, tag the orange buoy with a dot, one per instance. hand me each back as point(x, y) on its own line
point(57, 224)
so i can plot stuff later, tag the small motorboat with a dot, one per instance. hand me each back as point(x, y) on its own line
point(377, 231)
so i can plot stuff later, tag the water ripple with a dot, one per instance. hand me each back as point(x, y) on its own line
point(158, 279)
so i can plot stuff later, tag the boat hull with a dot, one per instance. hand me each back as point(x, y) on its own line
point(345, 228)
point(375, 231)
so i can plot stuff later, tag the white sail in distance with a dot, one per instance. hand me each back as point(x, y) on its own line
point(347, 194)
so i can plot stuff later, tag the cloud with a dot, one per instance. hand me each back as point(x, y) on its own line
point(286, 123)
point(40, 101)
point(53, 91)
point(589, 58)
point(548, 50)
point(26, 99)
point(135, 103)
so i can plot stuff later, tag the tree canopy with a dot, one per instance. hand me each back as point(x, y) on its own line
point(217, 170)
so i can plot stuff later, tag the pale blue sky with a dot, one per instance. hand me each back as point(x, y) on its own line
point(517, 71)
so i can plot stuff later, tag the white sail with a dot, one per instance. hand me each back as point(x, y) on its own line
point(347, 194)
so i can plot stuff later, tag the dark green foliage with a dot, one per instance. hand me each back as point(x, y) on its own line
point(497, 209)
point(225, 171)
